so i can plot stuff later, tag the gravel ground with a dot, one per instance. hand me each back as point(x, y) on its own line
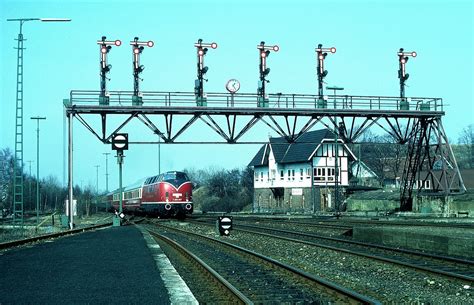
point(385, 282)
point(9, 233)
point(329, 232)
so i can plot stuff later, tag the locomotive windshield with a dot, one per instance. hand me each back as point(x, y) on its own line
point(175, 178)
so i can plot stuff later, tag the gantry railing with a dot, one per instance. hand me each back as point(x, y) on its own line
point(250, 100)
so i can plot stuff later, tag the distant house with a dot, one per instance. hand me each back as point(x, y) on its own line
point(301, 176)
point(362, 175)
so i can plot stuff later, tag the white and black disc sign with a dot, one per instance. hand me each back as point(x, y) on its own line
point(120, 141)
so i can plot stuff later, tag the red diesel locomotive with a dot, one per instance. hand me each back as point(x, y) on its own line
point(167, 194)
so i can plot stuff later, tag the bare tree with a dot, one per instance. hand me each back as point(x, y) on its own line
point(465, 150)
point(6, 178)
point(383, 155)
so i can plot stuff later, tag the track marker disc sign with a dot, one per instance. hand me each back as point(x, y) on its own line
point(120, 141)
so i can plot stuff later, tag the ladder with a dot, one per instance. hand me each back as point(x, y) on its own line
point(412, 165)
point(18, 161)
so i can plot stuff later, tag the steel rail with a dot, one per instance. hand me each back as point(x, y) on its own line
point(377, 257)
point(359, 243)
point(216, 276)
point(283, 221)
point(301, 273)
point(415, 224)
point(349, 223)
point(15, 243)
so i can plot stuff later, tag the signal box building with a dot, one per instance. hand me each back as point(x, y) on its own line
point(300, 176)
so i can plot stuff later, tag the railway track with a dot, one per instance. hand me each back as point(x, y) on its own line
point(448, 266)
point(345, 223)
point(318, 224)
point(255, 278)
point(19, 242)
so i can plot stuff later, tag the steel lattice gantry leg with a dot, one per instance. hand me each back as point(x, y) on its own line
point(430, 166)
point(70, 206)
point(18, 163)
point(413, 164)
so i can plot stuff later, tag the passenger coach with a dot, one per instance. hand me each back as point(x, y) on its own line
point(167, 194)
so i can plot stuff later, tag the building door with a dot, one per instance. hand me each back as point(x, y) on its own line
point(326, 198)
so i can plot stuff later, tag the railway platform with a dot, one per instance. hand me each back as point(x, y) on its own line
point(115, 265)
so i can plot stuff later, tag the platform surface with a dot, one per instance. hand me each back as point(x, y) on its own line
point(107, 266)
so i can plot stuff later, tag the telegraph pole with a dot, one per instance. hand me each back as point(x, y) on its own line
point(37, 118)
point(97, 179)
point(106, 171)
point(30, 161)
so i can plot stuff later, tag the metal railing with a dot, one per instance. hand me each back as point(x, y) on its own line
point(250, 100)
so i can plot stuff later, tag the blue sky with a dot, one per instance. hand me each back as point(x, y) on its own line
point(367, 34)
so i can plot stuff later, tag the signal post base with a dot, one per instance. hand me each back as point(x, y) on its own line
point(262, 102)
point(137, 100)
point(116, 221)
point(104, 100)
point(201, 101)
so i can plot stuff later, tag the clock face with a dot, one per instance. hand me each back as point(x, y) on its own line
point(233, 86)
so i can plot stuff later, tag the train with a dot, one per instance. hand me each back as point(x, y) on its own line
point(167, 194)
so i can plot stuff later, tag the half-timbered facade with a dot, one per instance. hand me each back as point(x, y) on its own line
point(301, 176)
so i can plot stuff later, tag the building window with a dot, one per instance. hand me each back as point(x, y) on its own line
point(292, 174)
point(256, 176)
point(427, 184)
point(308, 173)
point(282, 175)
point(330, 174)
point(289, 174)
point(301, 174)
point(261, 176)
point(273, 174)
point(319, 174)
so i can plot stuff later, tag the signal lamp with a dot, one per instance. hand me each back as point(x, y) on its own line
point(118, 43)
